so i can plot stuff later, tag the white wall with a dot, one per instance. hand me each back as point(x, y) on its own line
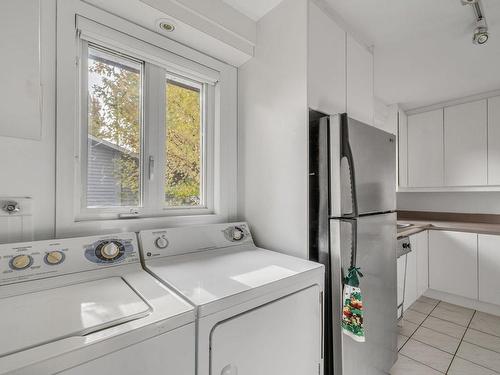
point(27, 167)
point(467, 202)
point(273, 131)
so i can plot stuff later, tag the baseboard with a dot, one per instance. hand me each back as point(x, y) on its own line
point(462, 301)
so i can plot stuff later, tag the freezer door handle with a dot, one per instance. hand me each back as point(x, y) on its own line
point(349, 186)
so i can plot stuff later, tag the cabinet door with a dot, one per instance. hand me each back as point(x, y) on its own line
point(326, 63)
point(494, 141)
point(244, 344)
point(402, 149)
point(411, 279)
point(20, 97)
point(425, 149)
point(420, 244)
point(465, 144)
point(453, 263)
point(401, 267)
point(359, 81)
point(489, 266)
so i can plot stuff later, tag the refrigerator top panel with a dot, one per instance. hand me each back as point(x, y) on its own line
point(363, 168)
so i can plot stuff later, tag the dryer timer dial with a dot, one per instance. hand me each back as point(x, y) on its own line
point(161, 242)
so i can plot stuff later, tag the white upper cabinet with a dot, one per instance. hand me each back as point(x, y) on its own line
point(453, 263)
point(425, 149)
point(494, 141)
point(465, 144)
point(359, 81)
point(326, 63)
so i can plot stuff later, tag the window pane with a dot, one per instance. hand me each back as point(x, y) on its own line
point(183, 177)
point(114, 130)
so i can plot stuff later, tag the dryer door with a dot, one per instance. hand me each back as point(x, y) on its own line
point(282, 337)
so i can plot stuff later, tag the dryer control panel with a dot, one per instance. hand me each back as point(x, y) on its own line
point(175, 241)
point(41, 259)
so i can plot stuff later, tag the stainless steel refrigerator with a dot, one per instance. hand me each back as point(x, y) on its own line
point(352, 205)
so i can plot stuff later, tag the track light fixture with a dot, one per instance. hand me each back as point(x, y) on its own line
point(481, 34)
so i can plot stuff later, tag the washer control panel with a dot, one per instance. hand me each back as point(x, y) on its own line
point(41, 259)
point(183, 240)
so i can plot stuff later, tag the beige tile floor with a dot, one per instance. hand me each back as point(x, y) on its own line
point(436, 338)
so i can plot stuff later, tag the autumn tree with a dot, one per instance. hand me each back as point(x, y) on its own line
point(114, 116)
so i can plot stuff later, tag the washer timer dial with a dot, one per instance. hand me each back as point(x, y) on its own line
point(53, 258)
point(21, 262)
point(109, 250)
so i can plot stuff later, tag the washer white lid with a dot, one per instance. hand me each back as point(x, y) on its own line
point(37, 318)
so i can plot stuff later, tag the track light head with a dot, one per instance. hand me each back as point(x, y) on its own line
point(480, 35)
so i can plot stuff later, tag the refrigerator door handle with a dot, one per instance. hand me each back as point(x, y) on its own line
point(354, 241)
point(334, 132)
point(346, 152)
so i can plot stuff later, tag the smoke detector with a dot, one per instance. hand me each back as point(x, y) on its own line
point(469, 2)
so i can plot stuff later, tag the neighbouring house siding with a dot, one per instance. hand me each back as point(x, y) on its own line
point(102, 186)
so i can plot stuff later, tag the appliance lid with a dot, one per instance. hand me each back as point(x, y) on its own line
point(37, 318)
point(217, 279)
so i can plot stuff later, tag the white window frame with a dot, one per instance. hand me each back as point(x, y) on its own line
point(80, 23)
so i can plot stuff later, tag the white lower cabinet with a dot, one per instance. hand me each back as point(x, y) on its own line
point(489, 267)
point(415, 265)
point(420, 242)
point(411, 279)
point(453, 263)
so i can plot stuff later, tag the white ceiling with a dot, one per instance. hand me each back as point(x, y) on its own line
point(254, 9)
point(424, 51)
point(423, 48)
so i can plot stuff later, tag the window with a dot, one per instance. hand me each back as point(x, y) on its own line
point(120, 168)
point(114, 130)
point(146, 128)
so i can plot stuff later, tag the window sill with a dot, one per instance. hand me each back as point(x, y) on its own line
point(115, 216)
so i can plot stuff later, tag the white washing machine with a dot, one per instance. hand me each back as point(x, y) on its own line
point(85, 306)
point(259, 311)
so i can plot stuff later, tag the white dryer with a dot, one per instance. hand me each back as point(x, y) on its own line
point(85, 306)
point(259, 311)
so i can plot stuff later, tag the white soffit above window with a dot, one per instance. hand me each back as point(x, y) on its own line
point(211, 27)
point(254, 9)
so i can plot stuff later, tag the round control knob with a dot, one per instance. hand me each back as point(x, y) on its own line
point(110, 250)
point(161, 242)
point(21, 262)
point(54, 257)
point(237, 234)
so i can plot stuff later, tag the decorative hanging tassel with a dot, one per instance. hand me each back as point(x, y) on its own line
point(352, 312)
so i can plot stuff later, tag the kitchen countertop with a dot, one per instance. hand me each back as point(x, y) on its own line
point(457, 226)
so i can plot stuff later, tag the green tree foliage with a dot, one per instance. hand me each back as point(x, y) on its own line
point(182, 174)
point(114, 116)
